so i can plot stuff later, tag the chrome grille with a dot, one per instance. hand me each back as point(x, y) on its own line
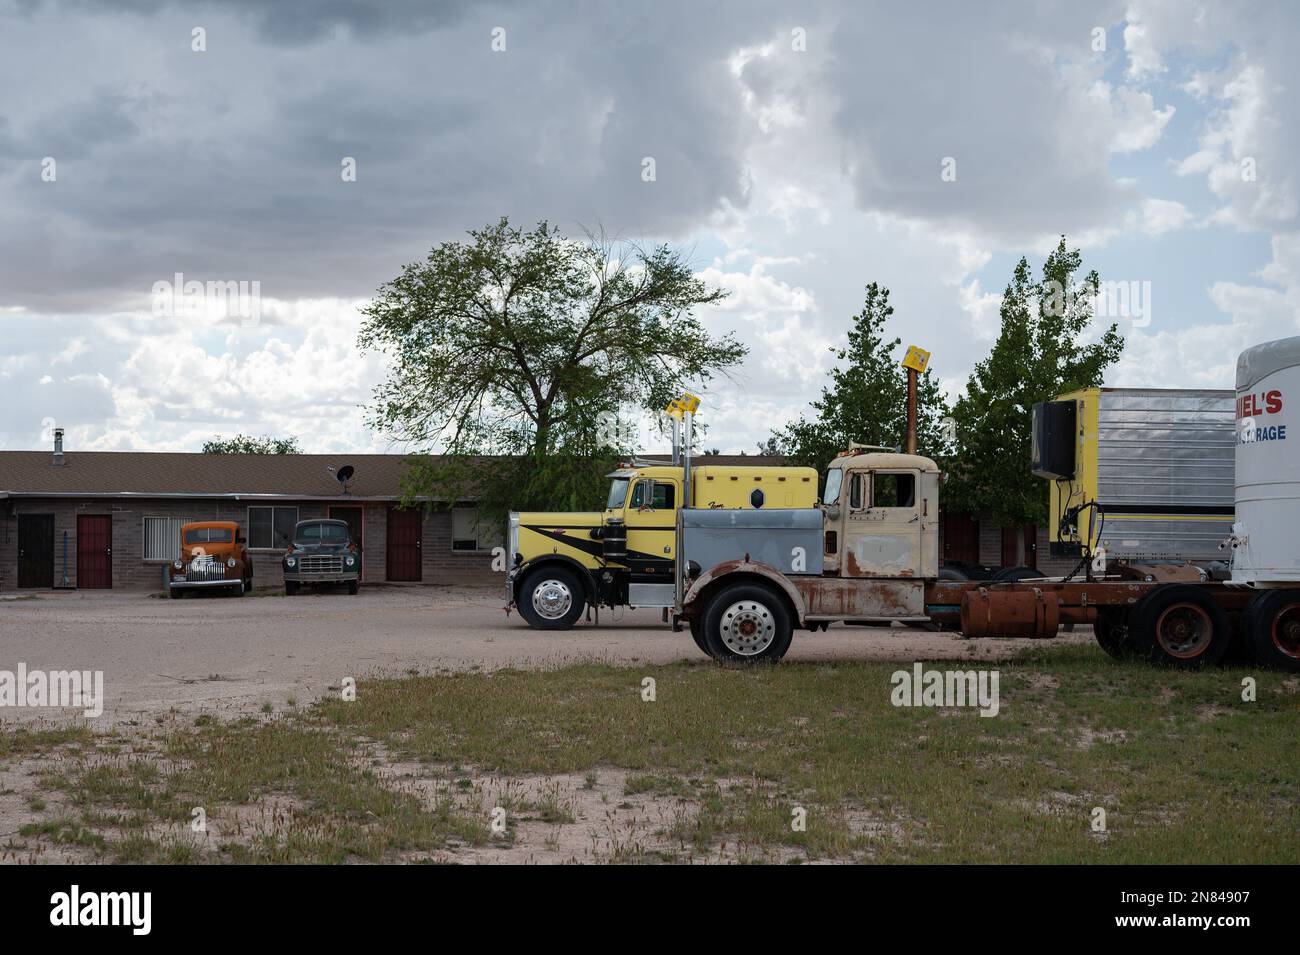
point(320, 565)
point(205, 568)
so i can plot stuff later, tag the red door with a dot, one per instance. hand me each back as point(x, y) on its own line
point(404, 544)
point(961, 538)
point(94, 551)
point(1010, 547)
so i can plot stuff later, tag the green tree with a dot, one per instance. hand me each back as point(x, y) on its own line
point(521, 356)
point(1042, 351)
point(247, 444)
point(867, 398)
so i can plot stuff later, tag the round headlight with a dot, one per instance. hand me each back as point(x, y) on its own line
point(351, 560)
point(290, 561)
point(178, 565)
point(231, 563)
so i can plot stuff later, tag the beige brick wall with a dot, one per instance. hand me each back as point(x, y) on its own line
point(439, 563)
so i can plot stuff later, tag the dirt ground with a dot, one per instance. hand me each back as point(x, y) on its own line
point(231, 656)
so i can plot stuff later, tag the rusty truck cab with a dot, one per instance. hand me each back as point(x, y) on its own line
point(881, 516)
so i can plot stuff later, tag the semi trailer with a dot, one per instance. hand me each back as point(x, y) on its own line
point(1137, 474)
point(878, 547)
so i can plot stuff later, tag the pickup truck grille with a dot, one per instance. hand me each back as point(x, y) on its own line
point(323, 565)
point(205, 568)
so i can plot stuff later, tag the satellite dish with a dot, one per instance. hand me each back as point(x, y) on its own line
point(344, 475)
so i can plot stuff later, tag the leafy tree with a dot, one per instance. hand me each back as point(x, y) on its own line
point(246, 444)
point(519, 354)
point(867, 398)
point(1041, 352)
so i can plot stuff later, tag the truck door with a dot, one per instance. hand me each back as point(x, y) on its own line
point(882, 527)
point(651, 520)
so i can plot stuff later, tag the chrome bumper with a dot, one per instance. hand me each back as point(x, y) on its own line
point(188, 584)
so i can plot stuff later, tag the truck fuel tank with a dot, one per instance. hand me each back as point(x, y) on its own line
point(991, 612)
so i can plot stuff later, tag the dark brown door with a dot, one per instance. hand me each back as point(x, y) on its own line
point(352, 515)
point(1031, 546)
point(94, 551)
point(404, 544)
point(35, 550)
point(961, 537)
point(1010, 547)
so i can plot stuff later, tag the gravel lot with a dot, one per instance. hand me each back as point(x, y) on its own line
point(231, 656)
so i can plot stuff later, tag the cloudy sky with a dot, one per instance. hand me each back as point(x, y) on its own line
point(800, 151)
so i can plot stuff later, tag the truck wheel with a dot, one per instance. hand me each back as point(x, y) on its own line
point(1013, 575)
point(290, 588)
point(1180, 625)
point(354, 586)
point(747, 623)
point(175, 593)
point(551, 598)
point(697, 634)
point(1112, 633)
point(1271, 625)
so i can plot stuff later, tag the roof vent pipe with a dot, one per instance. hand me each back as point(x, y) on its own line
point(58, 447)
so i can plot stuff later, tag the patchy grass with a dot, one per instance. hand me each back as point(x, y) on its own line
point(787, 763)
point(1076, 731)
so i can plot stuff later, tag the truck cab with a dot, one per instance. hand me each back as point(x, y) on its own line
point(881, 516)
point(626, 555)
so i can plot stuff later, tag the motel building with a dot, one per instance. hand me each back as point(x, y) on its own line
point(99, 520)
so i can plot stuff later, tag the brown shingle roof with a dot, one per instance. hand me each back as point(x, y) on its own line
point(161, 473)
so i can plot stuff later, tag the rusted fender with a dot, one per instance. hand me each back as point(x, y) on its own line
point(766, 571)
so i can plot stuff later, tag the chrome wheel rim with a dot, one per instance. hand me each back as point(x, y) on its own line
point(552, 599)
point(748, 628)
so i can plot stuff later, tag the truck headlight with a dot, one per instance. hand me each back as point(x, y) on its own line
point(290, 561)
point(178, 565)
point(350, 560)
point(231, 563)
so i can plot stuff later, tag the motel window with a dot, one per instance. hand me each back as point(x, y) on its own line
point(162, 537)
point(271, 528)
point(469, 532)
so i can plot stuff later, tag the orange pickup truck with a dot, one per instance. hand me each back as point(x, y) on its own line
point(213, 554)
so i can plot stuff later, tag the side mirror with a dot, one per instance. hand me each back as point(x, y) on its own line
point(832, 511)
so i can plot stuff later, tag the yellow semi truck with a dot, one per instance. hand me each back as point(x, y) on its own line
point(625, 555)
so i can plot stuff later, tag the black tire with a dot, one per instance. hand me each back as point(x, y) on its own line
point(551, 598)
point(1271, 627)
point(1180, 625)
point(953, 573)
point(354, 586)
point(747, 623)
point(175, 593)
point(1111, 629)
point(291, 588)
point(697, 634)
point(1011, 575)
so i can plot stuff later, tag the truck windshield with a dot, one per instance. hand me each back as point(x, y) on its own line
point(834, 477)
point(329, 533)
point(617, 494)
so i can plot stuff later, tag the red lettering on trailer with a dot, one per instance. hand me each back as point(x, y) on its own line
point(1252, 406)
